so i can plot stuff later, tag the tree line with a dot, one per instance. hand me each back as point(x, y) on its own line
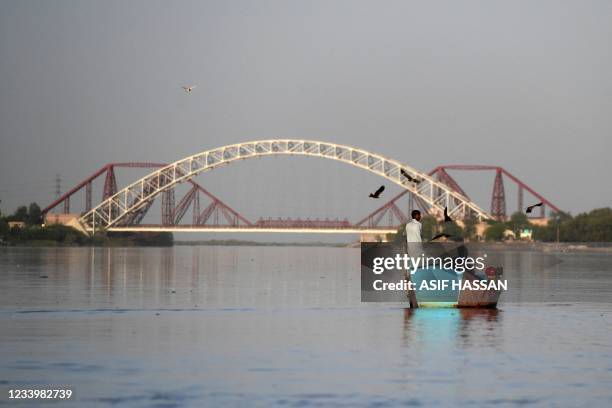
point(35, 232)
point(31, 216)
point(592, 226)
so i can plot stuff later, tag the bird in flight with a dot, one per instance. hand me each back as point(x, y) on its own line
point(376, 194)
point(446, 217)
point(531, 207)
point(409, 177)
point(189, 88)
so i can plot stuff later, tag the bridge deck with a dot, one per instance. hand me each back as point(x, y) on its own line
point(205, 228)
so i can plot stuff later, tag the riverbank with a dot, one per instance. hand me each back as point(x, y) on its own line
point(64, 236)
point(605, 247)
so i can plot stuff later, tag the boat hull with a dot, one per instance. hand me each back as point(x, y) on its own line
point(449, 297)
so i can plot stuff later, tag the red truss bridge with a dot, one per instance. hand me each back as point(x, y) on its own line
point(124, 209)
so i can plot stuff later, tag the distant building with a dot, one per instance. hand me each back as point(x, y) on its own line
point(64, 219)
point(373, 237)
point(509, 235)
point(539, 221)
point(16, 224)
point(526, 234)
point(480, 229)
point(70, 220)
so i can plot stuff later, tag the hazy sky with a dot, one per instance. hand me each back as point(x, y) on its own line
point(525, 85)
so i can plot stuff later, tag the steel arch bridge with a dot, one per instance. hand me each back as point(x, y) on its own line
point(117, 211)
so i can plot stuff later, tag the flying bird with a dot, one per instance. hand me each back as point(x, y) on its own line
point(446, 217)
point(531, 207)
point(189, 88)
point(409, 177)
point(440, 236)
point(376, 194)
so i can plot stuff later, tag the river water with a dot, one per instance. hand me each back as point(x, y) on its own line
point(284, 326)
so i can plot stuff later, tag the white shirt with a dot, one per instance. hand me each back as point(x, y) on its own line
point(413, 238)
point(413, 231)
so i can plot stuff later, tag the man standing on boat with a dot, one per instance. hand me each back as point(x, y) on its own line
point(413, 228)
point(413, 248)
point(413, 235)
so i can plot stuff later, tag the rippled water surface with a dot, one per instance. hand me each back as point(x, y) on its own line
point(265, 326)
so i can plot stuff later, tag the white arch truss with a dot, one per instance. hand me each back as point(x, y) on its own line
point(135, 196)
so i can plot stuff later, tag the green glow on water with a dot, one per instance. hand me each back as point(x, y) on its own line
point(437, 304)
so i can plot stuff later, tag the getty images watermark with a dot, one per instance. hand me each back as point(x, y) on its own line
point(441, 269)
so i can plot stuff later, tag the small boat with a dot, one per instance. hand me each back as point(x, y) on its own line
point(467, 289)
point(464, 288)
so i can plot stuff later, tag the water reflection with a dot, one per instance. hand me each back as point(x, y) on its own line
point(208, 276)
point(469, 327)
